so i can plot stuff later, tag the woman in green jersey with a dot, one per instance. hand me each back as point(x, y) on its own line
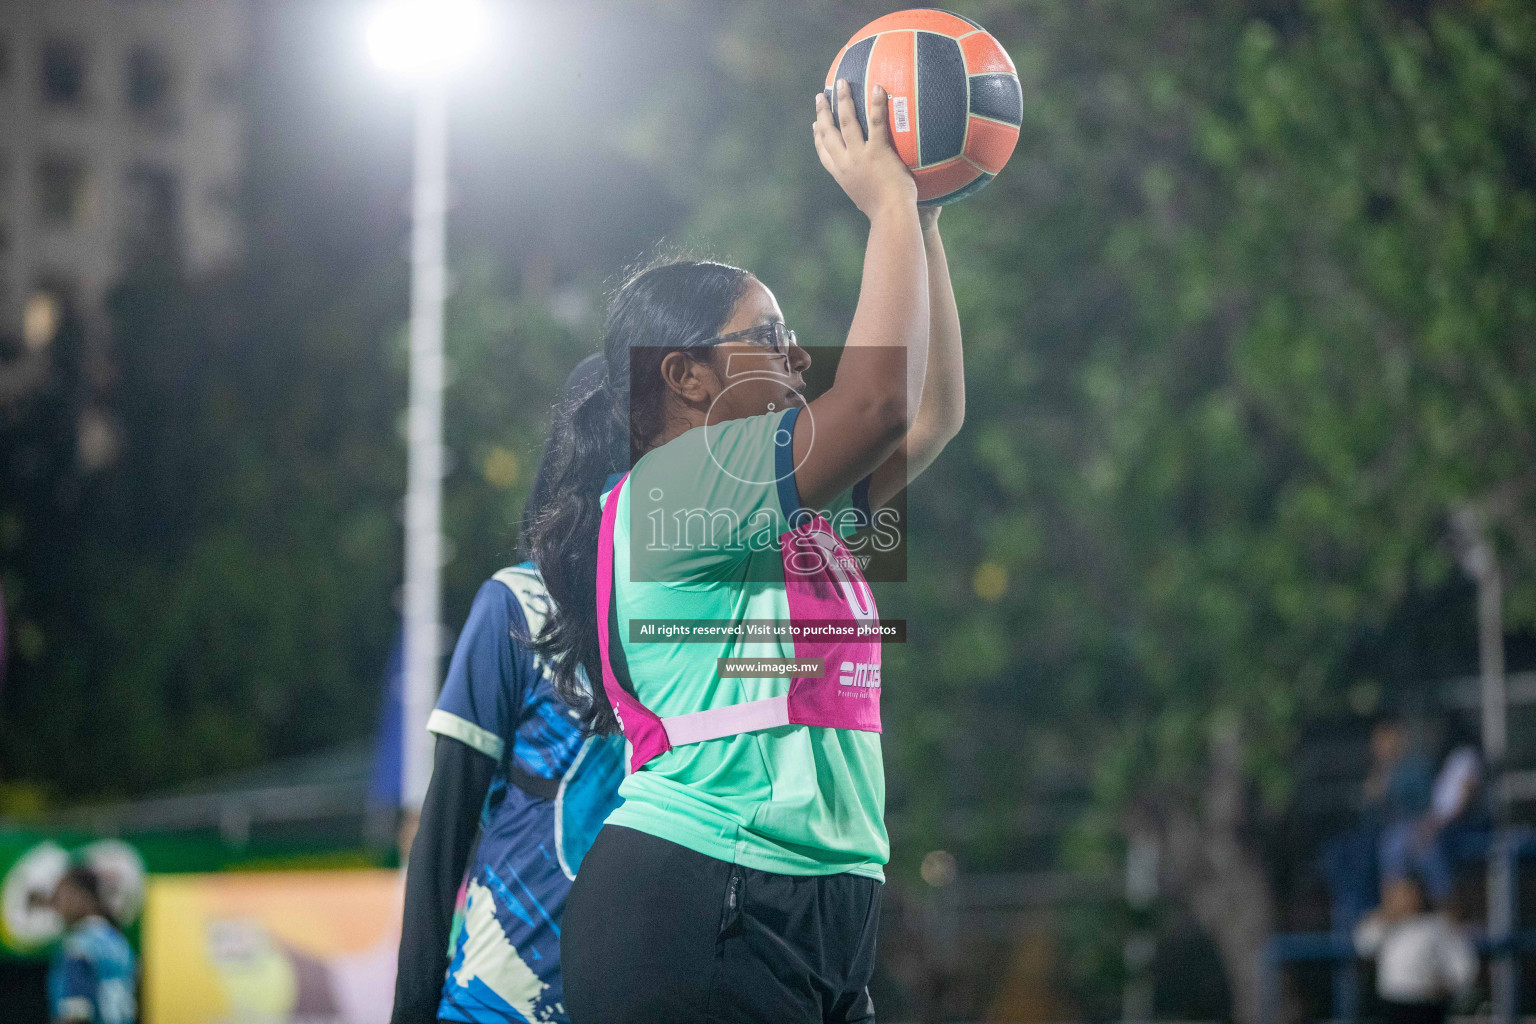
point(740, 879)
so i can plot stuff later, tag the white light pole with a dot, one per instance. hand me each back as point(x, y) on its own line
point(425, 40)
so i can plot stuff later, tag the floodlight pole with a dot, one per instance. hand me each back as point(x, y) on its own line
point(424, 499)
point(1475, 550)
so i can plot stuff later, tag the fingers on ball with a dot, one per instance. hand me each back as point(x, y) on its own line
point(847, 115)
point(825, 130)
point(877, 107)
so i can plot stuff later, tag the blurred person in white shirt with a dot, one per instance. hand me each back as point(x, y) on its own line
point(1453, 828)
point(1423, 961)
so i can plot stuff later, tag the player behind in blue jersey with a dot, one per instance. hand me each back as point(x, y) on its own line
point(91, 979)
point(512, 758)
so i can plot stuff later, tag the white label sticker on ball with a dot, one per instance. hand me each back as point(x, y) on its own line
point(899, 114)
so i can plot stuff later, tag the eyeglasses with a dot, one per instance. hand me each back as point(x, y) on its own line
point(773, 336)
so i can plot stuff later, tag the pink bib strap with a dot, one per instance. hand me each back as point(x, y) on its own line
point(730, 720)
point(845, 696)
point(645, 732)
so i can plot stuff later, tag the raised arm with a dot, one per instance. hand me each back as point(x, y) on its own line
point(942, 409)
point(859, 422)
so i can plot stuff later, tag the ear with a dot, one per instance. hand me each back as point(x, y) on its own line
point(690, 379)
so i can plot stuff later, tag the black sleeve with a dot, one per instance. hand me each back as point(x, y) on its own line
point(450, 816)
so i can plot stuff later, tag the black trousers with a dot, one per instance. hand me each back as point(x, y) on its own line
point(655, 933)
point(1393, 1012)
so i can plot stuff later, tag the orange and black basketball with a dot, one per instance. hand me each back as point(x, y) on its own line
point(955, 102)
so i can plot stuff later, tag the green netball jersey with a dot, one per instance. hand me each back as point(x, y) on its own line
point(695, 538)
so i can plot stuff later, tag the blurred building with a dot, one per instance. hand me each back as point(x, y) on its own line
point(120, 139)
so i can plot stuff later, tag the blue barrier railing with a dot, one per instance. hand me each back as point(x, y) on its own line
point(1332, 947)
point(1509, 846)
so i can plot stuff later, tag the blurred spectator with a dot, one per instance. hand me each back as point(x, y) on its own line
point(1423, 962)
point(1453, 827)
point(1397, 789)
point(1461, 775)
point(1400, 782)
point(91, 980)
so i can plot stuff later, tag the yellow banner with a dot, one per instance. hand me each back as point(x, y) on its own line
point(316, 947)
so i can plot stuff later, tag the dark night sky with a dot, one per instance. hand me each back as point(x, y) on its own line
point(541, 125)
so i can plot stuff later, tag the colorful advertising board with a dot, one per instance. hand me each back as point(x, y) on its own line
point(316, 947)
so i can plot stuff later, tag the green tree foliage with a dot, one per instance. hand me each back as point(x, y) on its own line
point(223, 594)
point(1248, 318)
point(209, 604)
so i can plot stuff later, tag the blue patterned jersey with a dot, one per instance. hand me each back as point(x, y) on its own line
point(498, 699)
point(91, 978)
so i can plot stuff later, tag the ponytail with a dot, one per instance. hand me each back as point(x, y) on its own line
point(563, 542)
point(662, 309)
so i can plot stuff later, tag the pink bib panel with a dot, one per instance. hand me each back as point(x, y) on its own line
point(829, 602)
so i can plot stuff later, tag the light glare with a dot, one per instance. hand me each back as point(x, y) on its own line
point(423, 38)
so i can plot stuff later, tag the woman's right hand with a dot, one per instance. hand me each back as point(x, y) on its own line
point(869, 170)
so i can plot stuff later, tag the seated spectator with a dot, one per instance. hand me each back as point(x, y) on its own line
point(1452, 827)
point(1457, 807)
point(1400, 783)
point(1396, 789)
point(1423, 961)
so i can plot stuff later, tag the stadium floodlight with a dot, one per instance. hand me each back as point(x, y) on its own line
point(425, 38)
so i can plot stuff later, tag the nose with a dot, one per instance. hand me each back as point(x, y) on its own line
point(799, 359)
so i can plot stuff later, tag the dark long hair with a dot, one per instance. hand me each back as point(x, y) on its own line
point(587, 377)
point(82, 877)
point(661, 309)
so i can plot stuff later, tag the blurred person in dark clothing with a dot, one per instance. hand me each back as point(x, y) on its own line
point(1401, 779)
point(1453, 826)
point(91, 979)
point(1396, 793)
